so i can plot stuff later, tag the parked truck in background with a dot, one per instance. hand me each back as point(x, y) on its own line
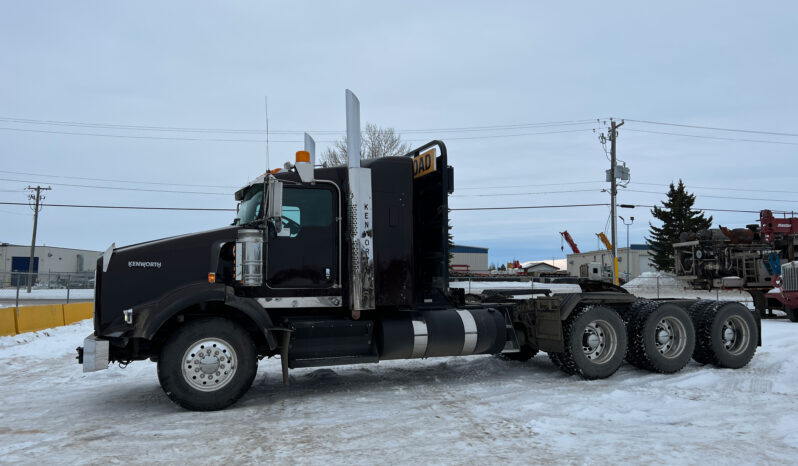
point(759, 259)
point(348, 265)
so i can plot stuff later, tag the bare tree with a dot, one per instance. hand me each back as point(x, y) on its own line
point(376, 142)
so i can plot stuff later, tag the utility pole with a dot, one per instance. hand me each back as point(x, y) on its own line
point(613, 174)
point(36, 198)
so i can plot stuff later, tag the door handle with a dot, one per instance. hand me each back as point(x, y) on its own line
point(327, 273)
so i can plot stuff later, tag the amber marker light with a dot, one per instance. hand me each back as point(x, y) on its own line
point(211, 278)
point(302, 156)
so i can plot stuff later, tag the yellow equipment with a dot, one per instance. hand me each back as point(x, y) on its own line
point(605, 240)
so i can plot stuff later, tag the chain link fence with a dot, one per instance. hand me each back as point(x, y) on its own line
point(48, 280)
point(45, 286)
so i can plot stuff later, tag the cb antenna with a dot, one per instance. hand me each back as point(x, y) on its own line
point(266, 104)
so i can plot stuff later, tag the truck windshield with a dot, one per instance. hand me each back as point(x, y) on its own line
point(251, 206)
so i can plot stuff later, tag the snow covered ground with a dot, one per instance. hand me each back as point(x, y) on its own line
point(472, 410)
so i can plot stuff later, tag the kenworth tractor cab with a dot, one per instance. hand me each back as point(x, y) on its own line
point(349, 265)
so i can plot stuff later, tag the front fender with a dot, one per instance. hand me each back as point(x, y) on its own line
point(149, 317)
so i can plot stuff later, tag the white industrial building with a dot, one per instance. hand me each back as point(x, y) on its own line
point(49, 261)
point(469, 259)
point(639, 257)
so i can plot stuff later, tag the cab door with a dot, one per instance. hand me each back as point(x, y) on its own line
point(304, 254)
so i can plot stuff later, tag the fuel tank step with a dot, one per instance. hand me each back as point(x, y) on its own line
point(324, 342)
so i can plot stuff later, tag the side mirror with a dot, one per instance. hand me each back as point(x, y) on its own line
point(274, 203)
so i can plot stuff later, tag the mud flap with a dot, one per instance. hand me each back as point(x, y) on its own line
point(548, 326)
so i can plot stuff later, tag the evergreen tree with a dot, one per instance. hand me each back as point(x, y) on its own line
point(677, 216)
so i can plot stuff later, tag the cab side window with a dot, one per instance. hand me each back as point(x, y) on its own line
point(305, 251)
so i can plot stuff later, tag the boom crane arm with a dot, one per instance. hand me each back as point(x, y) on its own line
point(605, 240)
point(567, 237)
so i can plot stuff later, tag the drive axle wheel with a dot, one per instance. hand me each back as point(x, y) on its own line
point(595, 343)
point(696, 312)
point(727, 335)
point(661, 338)
point(207, 364)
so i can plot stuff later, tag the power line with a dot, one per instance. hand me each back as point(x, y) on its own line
point(764, 141)
point(174, 138)
point(720, 210)
point(559, 206)
point(523, 194)
point(31, 121)
point(720, 197)
point(115, 180)
point(713, 128)
point(483, 128)
point(119, 188)
point(14, 213)
point(735, 188)
point(507, 135)
point(531, 207)
point(531, 185)
point(84, 206)
point(130, 136)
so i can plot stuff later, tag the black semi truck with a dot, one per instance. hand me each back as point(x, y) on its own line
point(348, 265)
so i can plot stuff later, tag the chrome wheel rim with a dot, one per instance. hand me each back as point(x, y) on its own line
point(209, 364)
point(735, 335)
point(670, 337)
point(599, 341)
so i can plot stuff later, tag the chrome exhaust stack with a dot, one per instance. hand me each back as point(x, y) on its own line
point(361, 260)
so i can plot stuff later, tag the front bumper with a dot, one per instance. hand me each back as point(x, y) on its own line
point(93, 355)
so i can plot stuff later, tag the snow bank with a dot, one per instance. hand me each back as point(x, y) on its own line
point(649, 279)
point(665, 285)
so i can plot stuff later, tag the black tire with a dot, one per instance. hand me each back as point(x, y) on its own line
point(696, 312)
point(194, 386)
point(595, 342)
point(726, 335)
point(661, 338)
point(556, 359)
point(527, 352)
point(634, 309)
point(792, 314)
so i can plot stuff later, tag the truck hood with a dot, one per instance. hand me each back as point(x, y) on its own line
point(143, 272)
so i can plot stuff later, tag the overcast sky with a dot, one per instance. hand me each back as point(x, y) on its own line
point(414, 66)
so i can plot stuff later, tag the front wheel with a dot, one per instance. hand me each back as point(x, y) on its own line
point(207, 364)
